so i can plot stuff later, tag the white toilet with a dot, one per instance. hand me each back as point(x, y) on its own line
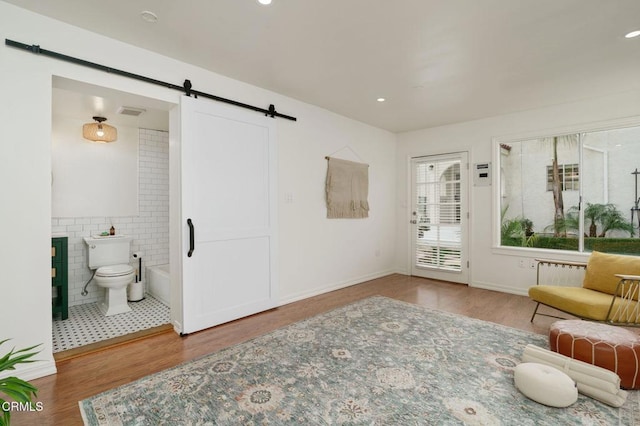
point(109, 257)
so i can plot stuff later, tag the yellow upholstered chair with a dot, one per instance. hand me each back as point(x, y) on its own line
point(609, 290)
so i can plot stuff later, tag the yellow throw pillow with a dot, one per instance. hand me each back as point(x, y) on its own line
point(602, 267)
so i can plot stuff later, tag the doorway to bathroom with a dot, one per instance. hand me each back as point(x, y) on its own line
point(99, 187)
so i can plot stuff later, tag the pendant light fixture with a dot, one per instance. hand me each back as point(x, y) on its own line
point(99, 132)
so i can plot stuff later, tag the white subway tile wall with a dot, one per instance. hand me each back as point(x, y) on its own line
point(150, 229)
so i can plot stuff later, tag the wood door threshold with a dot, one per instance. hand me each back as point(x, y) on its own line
point(111, 343)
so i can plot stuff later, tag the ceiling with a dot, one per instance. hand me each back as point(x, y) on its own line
point(435, 61)
point(78, 100)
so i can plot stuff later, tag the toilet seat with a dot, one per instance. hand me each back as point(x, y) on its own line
point(114, 271)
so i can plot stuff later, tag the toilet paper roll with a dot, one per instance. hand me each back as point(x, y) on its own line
point(135, 292)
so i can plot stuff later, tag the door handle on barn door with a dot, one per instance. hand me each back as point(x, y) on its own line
point(191, 237)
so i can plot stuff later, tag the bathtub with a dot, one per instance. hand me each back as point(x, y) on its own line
point(159, 283)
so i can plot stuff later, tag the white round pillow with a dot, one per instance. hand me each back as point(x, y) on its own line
point(544, 384)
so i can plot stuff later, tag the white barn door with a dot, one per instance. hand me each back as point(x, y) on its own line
point(229, 220)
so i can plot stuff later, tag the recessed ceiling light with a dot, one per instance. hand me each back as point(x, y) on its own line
point(148, 16)
point(381, 99)
point(633, 34)
point(265, 2)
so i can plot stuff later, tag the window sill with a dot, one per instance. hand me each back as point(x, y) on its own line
point(540, 253)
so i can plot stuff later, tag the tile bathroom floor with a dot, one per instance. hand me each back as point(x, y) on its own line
point(86, 324)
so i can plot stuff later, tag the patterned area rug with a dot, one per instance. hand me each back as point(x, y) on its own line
point(375, 362)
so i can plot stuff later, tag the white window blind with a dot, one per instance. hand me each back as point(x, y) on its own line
point(437, 201)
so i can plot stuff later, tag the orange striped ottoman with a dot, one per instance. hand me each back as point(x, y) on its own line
point(614, 348)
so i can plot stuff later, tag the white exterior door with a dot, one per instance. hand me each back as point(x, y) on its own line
point(228, 190)
point(439, 217)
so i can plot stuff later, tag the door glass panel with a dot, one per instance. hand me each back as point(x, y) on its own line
point(437, 205)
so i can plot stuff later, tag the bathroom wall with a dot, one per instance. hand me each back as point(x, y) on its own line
point(89, 178)
point(149, 229)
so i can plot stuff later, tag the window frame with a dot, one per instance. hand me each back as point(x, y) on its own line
point(498, 183)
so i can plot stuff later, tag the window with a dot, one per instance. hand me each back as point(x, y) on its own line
point(591, 203)
point(568, 177)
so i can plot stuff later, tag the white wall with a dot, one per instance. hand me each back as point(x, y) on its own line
point(316, 254)
point(494, 268)
point(93, 179)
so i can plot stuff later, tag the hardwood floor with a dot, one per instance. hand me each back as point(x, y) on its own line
point(87, 375)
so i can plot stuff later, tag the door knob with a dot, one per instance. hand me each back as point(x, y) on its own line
point(413, 221)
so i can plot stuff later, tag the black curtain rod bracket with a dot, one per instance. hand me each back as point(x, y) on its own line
point(186, 86)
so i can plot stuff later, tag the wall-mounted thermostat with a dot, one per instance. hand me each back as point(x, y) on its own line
point(482, 174)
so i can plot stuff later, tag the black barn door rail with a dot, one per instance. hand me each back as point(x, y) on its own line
point(186, 86)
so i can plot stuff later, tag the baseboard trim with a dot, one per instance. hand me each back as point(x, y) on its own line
point(335, 286)
point(32, 371)
point(501, 289)
point(177, 326)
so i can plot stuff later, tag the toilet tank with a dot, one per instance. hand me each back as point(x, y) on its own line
point(109, 250)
